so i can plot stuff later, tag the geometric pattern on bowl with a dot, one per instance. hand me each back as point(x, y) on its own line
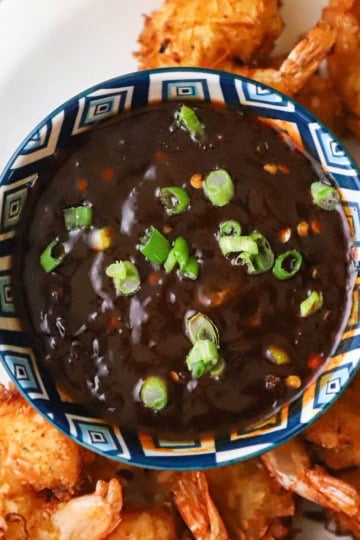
point(79, 114)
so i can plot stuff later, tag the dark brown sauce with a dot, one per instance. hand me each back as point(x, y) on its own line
point(100, 346)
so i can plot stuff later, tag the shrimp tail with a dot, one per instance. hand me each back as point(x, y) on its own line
point(290, 465)
point(193, 500)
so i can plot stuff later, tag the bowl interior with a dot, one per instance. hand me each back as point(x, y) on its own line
point(80, 114)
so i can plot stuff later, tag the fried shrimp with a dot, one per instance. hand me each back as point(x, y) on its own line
point(32, 452)
point(322, 99)
point(194, 33)
point(251, 503)
point(336, 435)
point(290, 465)
point(153, 524)
point(297, 68)
point(193, 500)
point(344, 61)
point(90, 517)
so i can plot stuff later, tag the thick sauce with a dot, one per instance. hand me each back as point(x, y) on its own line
point(100, 346)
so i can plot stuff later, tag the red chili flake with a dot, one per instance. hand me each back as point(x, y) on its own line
point(316, 226)
point(196, 181)
point(82, 185)
point(174, 376)
point(154, 278)
point(273, 168)
point(167, 229)
point(160, 155)
point(315, 361)
point(302, 228)
point(107, 174)
point(293, 381)
point(285, 235)
point(112, 321)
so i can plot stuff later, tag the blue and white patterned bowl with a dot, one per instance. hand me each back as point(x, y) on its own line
point(80, 114)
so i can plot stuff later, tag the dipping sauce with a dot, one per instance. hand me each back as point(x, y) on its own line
point(261, 335)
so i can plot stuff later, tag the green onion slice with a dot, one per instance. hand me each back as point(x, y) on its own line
point(154, 393)
point(200, 327)
point(187, 119)
point(219, 187)
point(311, 304)
point(257, 263)
point(175, 199)
point(219, 368)
point(230, 228)
point(287, 264)
point(125, 276)
point(179, 255)
point(238, 244)
point(277, 355)
point(191, 269)
point(202, 358)
point(52, 256)
point(154, 246)
point(324, 196)
point(78, 217)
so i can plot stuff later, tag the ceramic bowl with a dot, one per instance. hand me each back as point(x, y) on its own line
point(78, 115)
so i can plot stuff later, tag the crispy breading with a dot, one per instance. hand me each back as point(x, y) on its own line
point(336, 435)
point(32, 451)
point(321, 98)
point(250, 502)
point(154, 524)
point(89, 517)
point(197, 33)
point(344, 61)
point(294, 71)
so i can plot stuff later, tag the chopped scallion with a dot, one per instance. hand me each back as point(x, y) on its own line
point(287, 264)
point(154, 393)
point(311, 304)
point(125, 276)
point(230, 228)
point(238, 244)
point(179, 255)
point(200, 327)
point(219, 187)
point(202, 358)
point(219, 368)
point(187, 119)
point(52, 256)
point(175, 199)
point(154, 246)
point(257, 263)
point(181, 252)
point(78, 217)
point(324, 196)
point(191, 269)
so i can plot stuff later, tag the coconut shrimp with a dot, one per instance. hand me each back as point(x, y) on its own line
point(149, 524)
point(344, 61)
point(297, 68)
point(89, 517)
point(251, 503)
point(197, 33)
point(336, 435)
point(32, 452)
point(290, 465)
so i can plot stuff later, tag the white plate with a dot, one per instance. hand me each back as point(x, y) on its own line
point(51, 50)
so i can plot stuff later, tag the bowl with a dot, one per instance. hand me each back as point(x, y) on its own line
point(80, 114)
